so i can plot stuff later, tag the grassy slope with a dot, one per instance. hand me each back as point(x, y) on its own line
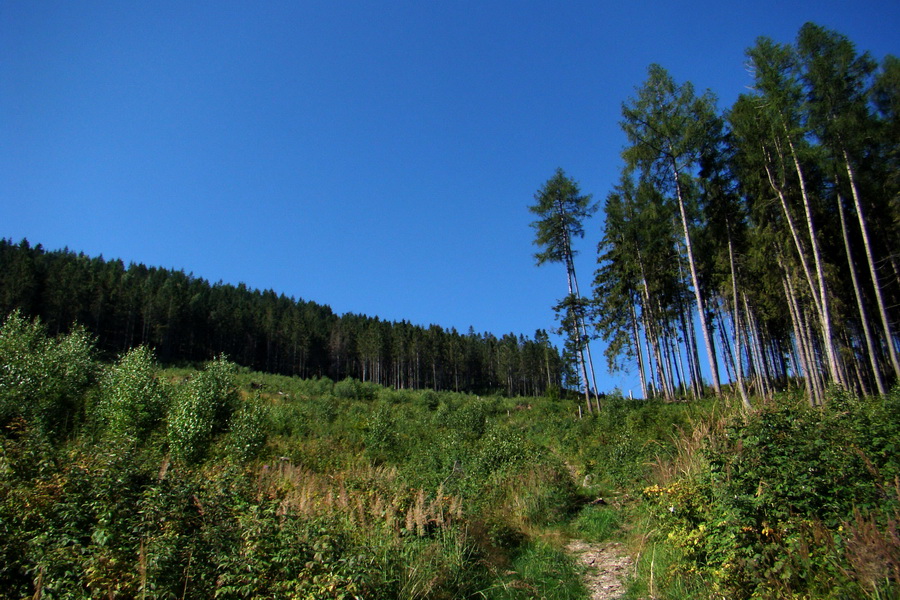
point(315, 489)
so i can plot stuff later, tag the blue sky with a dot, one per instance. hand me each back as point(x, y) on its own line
point(378, 157)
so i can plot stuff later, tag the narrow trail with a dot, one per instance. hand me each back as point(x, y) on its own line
point(606, 567)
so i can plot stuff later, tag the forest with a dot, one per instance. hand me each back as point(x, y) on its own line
point(763, 238)
point(162, 437)
point(188, 320)
point(774, 224)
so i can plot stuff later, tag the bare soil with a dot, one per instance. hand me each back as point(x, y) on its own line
point(607, 565)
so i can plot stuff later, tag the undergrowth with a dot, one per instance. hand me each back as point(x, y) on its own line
point(786, 501)
point(129, 480)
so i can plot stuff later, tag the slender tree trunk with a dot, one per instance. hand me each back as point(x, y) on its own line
point(863, 317)
point(696, 375)
point(587, 344)
point(670, 366)
point(653, 353)
point(827, 334)
point(576, 335)
point(636, 337)
point(757, 353)
point(692, 366)
point(665, 344)
point(577, 323)
point(698, 294)
point(736, 319)
point(727, 352)
point(801, 252)
point(885, 322)
point(807, 368)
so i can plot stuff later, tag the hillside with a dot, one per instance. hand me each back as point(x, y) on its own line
point(186, 319)
point(124, 479)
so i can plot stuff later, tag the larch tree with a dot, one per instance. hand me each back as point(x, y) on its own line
point(780, 102)
point(838, 81)
point(668, 127)
point(561, 209)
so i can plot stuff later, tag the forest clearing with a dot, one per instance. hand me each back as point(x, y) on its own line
point(164, 437)
point(129, 480)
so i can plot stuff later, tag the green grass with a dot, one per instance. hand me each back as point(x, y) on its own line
point(597, 523)
point(539, 570)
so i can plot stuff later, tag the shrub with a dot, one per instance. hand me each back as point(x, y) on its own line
point(132, 399)
point(42, 379)
point(248, 429)
point(354, 389)
point(200, 409)
point(382, 440)
point(772, 513)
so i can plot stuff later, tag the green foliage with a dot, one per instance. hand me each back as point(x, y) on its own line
point(132, 398)
point(248, 429)
point(382, 440)
point(200, 409)
point(276, 490)
point(354, 389)
point(43, 379)
point(192, 319)
point(793, 501)
point(540, 570)
point(597, 523)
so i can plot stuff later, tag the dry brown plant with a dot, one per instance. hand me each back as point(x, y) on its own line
point(364, 498)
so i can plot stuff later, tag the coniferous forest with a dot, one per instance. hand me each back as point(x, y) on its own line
point(188, 320)
point(758, 244)
point(162, 437)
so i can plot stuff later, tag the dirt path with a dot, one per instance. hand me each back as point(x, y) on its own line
point(607, 566)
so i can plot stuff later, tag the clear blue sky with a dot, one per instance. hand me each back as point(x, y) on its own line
point(378, 157)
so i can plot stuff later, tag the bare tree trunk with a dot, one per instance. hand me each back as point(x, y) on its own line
point(807, 368)
point(801, 252)
point(727, 352)
point(636, 337)
point(587, 344)
point(863, 317)
point(698, 294)
point(737, 326)
point(577, 322)
point(885, 322)
point(579, 352)
point(827, 334)
point(757, 353)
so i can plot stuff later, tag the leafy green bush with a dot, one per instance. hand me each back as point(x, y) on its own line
point(132, 399)
point(248, 429)
point(354, 389)
point(382, 441)
point(43, 379)
point(786, 491)
point(200, 409)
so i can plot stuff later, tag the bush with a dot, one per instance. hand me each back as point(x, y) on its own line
point(382, 440)
point(784, 494)
point(248, 430)
point(42, 379)
point(354, 389)
point(132, 399)
point(200, 409)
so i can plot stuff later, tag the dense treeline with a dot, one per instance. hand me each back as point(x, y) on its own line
point(763, 239)
point(187, 319)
